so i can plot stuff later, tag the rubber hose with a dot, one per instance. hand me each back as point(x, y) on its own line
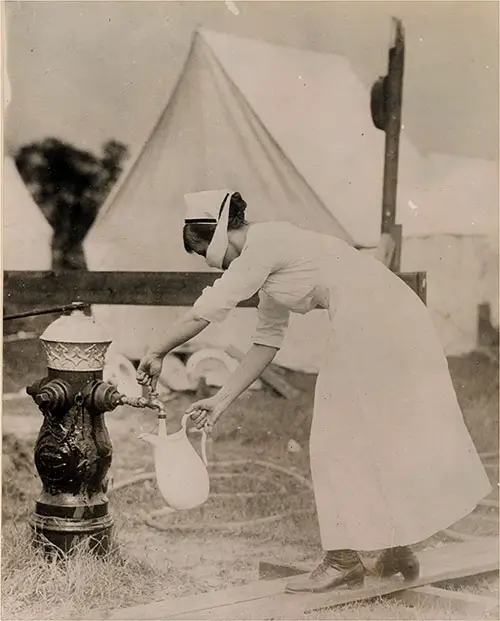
point(216, 525)
point(150, 518)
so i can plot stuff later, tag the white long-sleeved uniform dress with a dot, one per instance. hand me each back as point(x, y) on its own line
point(392, 461)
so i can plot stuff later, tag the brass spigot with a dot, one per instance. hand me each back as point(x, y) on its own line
point(103, 397)
point(152, 401)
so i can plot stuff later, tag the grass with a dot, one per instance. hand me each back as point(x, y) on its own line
point(149, 564)
point(34, 588)
point(385, 610)
point(475, 378)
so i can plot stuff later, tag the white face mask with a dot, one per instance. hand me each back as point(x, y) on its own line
point(217, 248)
point(212, 206)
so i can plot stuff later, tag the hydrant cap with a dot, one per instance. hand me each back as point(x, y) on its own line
point(75, 328)
point(75, 343)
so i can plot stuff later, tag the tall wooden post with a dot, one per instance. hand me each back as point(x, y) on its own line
point(386, 104)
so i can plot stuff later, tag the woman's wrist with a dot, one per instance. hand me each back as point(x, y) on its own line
point(157, 352)
point(224, 398)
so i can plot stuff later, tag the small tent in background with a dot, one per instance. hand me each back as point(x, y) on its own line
point(26, 235)
point(291, 130)
point(455, 240)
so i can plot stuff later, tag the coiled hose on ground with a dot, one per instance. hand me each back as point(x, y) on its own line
point(150, 519)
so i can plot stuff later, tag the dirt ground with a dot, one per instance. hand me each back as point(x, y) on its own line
point(260, 426)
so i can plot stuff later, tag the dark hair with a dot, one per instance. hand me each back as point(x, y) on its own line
point(197, 235)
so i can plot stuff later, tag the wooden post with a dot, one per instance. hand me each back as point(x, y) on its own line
point(387, 100)
point(392, 135)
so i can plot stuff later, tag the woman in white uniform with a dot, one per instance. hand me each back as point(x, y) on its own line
point(392, 461)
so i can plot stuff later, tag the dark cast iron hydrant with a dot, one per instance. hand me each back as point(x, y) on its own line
point(73, 451)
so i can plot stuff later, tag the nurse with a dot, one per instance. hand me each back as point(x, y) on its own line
point(392, 461)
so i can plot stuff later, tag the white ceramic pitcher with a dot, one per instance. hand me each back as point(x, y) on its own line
point(181, 474)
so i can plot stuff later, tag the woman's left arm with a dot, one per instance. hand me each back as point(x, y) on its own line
point(250, 368)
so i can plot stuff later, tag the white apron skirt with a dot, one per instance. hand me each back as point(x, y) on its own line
point(392, 461)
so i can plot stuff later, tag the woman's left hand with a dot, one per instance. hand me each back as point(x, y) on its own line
point(205, 412)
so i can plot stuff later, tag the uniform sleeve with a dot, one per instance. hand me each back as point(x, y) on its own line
point(244, 277)
point(272, 322)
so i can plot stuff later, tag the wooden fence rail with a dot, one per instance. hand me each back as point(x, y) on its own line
point(138, 288)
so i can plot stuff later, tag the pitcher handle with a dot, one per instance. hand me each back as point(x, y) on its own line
point(203, 439)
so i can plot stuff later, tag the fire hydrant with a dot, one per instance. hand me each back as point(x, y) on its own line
point(73, 451)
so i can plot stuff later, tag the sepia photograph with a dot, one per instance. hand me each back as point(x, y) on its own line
point(250, 310)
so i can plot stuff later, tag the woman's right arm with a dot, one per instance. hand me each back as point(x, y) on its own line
point(181, 331)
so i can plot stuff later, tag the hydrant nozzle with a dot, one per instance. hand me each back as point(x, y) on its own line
point(53, 395)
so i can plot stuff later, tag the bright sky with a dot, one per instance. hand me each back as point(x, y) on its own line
point(89, 71)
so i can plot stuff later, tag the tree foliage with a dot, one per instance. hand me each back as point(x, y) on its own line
point(69, 185)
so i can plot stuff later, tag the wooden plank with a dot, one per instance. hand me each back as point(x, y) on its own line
point(267, 600)
point(143, 288)
point(190, 604)
point(272, 571)
point(270, 377)
point(287, 606)
point(458, 602)
point(139, 288)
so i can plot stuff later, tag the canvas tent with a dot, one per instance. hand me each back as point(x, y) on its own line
point(26, 235)
point(455, 241)
point(291, 130)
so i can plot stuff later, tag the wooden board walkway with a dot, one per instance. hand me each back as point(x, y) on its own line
point(458, 602)
point(266, 599)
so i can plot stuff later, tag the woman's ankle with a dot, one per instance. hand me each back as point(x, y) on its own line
point(342, 559)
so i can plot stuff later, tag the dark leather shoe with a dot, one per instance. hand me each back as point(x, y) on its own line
point(398, 560)
point(326, 578)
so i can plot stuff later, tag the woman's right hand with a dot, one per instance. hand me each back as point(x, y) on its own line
point(149, 370)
